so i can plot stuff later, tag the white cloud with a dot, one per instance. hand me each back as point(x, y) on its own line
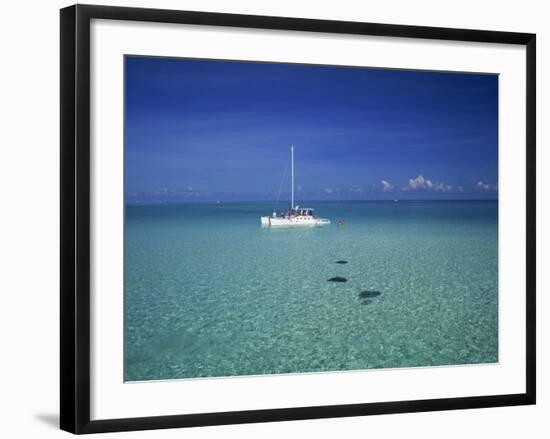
point(386, 186)
point(328, 190)
point(442, 187)
point(460, 189)
point(483, 186)
point(422, 183)
point(355, 189)
point(190, 192)
point(419, 183)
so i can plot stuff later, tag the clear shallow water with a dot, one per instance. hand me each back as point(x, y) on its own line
point(208, 292)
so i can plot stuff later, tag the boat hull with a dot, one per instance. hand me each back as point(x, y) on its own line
point(294, 222)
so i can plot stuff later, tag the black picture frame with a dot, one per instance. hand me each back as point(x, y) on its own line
point(75, 217)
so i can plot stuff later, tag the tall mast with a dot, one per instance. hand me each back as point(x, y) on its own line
point(292, 172)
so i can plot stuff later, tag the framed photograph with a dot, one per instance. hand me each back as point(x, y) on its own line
point(268, 218)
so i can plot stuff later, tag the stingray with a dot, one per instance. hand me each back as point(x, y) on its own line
point(337, 279)
point(369, 294)
point(341, 262)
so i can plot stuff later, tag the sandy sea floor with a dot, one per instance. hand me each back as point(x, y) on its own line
point(209, 293)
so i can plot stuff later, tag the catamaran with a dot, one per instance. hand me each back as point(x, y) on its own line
point(296, 216)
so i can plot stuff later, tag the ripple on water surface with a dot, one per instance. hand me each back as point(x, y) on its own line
point(208, 292)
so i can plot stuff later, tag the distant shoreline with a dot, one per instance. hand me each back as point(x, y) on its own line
point(306, 202)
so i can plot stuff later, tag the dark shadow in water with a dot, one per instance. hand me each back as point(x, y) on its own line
point(341, 262)
point(366, 302)
point(337, 279)
point(49, 419)
point(369, 294)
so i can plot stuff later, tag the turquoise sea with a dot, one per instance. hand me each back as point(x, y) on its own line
point(210, 293)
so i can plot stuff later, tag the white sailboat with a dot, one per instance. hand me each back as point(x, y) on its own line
point(296, 216)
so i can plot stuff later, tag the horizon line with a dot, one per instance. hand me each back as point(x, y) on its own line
point(216, 202)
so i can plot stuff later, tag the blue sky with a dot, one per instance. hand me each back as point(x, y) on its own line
point(203, 130)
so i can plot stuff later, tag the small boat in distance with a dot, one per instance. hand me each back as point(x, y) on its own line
point(296, 216)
